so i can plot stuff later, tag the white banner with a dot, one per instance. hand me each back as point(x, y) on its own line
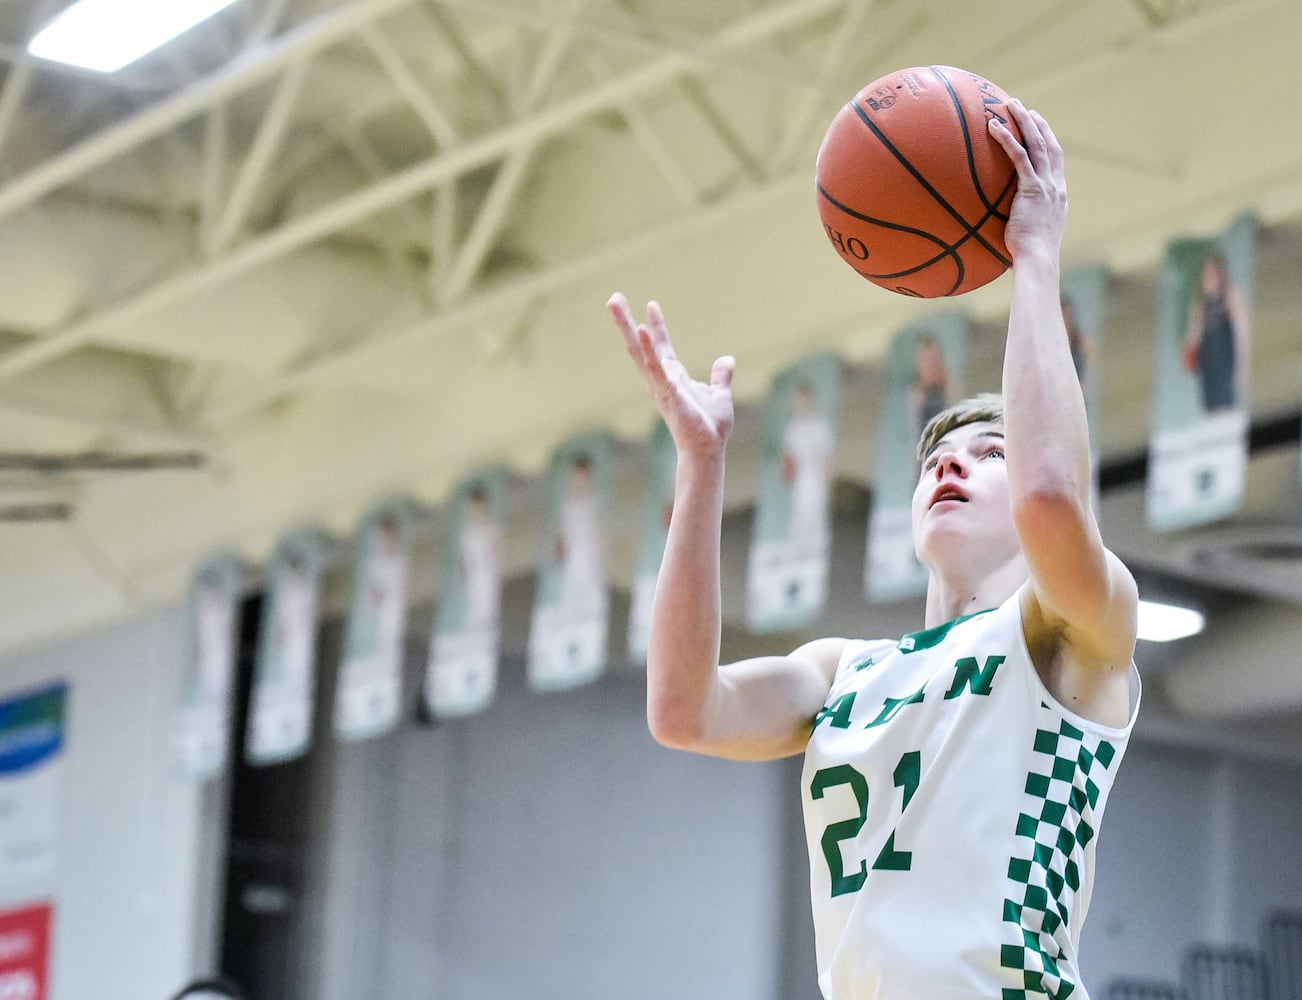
point(368, 696)
point(461, 672)
point(1198, 452)
point(786, 578)
point(205, 715)
point(924, 375)
point(569, 628)
point(284, 675)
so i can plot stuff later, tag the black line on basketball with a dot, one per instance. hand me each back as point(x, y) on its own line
point(823, 192)
point(904, 162)
point(973, 176)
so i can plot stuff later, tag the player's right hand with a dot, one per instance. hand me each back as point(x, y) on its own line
point(699, 414)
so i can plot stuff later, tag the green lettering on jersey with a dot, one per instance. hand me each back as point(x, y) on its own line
point(838, 712)
point(891, 707)
point(929, 637)
point(976, 679)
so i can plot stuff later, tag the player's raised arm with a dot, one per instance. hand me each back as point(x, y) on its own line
point(755, 709)
point(1085, 594)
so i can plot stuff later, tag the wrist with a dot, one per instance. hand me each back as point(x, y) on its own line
point(1040, 261)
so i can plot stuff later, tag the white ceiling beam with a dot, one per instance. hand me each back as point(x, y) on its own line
point(212, 170)
point(723, 130)
point(657, 150)
point(248, 70)
point(109, 424)
point(487, 306)
point(421, 177)
point(495, 210)
point(488, 223)
point(427, 110)
point(808, 116)
point(550, 60)
point(259, 158)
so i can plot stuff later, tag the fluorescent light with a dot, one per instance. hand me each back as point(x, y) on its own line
point(1164, 622)
point(105, 35)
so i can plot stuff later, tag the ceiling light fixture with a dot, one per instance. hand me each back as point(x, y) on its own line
point(106, 35)
point(1164, 622)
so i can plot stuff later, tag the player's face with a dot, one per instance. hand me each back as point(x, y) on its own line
point(962, 496)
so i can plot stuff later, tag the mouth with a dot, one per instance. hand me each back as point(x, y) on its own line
point(947, 493)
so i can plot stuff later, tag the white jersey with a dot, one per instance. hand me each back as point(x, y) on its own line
point(951, 812)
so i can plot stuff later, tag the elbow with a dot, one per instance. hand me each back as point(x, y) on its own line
point(673, 722)
point(672, 729)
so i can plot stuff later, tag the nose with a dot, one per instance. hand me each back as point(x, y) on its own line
point(950, 463)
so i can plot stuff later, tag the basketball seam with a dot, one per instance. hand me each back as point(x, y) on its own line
point(973, 175)
point(946, 249)
point(903, 161)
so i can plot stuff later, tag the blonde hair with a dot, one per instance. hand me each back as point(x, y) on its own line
point(983, 407)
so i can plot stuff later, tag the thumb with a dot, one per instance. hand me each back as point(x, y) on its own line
point(721, 372)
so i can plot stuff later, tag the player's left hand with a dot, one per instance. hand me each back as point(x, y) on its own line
point(1038, 218)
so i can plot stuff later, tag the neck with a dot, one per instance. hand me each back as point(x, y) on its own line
point(952, 593)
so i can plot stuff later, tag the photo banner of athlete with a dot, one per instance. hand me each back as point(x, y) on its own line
point(1084, 311)
point(786, 573)
point(207, 675)
point(657, 504)
point(368, 699)
point(461, 671)
point(570, 623)
point(924, 374)
point(284, 672)
point(1198, 452)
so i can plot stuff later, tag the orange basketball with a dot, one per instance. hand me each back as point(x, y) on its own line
point(912, 189)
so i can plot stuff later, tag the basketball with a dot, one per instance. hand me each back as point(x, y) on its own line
point(913, 191)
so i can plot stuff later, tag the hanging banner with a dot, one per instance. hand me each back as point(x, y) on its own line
point(1084, 306)
point(284, 674)
point(461, 673)
point(657, 505)
point(568, 631)
point(25, 951)
point(786, 578)
point(31, 767)
point(924, 374)
point(205, 716)
point(1198, 454)
point(368, 697)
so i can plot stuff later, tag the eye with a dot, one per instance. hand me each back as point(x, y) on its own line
point(995, 451)
point(929, 464)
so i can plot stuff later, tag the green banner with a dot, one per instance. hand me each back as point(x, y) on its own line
point(1198, 452)
point(368, 696)
point(284, 673)
point(924, 374)
point(569, 628)
point(206, 686)
point(461, 674)
point(787, 568)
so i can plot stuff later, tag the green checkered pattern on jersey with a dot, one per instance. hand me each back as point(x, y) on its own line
point(1053, 831)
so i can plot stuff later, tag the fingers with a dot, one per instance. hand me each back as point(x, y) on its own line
point(721, 373)
point(649, 346)
point(1015, 150)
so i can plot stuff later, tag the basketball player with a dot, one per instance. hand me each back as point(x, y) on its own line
point(954, 779)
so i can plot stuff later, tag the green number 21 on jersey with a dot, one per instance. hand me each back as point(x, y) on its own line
point(908, 772)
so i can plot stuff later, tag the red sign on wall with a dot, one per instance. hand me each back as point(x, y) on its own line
point(25, 952)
